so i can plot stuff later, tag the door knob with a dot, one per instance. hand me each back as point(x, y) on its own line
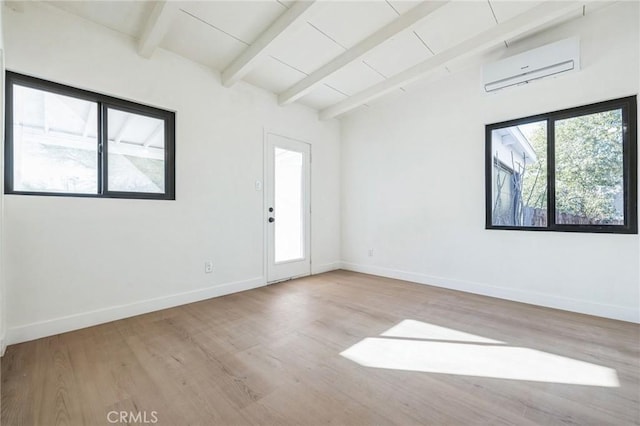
point(271, 219)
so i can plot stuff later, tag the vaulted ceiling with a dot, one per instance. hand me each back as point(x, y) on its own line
point(334, 56)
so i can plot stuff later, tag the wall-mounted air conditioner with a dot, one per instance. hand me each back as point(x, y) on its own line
point(552, 59)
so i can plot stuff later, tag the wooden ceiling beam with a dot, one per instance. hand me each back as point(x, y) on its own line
point(157, 26)
point(520, 24)
point(402, 23)
point(245, 62)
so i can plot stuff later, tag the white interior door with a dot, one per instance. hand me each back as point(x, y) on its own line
point(288, 212)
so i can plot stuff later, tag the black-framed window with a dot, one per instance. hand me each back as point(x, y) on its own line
point(569, 170)
point(60, 140)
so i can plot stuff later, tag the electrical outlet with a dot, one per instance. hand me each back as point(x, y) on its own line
point(208, 267)
point(370, 252)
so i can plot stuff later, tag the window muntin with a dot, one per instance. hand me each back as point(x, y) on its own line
point(66, 141)
point(570, 170)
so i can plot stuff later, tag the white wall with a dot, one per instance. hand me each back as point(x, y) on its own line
point(412, 186)
point(72, 262)
point(2, 298)
point(413, 183)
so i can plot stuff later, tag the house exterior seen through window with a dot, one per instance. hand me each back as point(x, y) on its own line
point(571, 170)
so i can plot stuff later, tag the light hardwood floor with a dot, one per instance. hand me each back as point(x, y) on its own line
point(272, 356)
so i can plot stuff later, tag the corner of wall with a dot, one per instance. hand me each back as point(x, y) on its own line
point(531, 297)
point(2, 280)
point(50, 327)
point(325, 267)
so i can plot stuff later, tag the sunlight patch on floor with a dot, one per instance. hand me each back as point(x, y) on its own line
point(480, 358)
point(412, 329)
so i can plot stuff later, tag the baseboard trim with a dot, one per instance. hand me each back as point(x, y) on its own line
point(325, 267)
point(100, 316)
point(541, 299)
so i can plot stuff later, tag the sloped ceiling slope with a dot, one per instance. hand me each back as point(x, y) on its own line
point(334, 56)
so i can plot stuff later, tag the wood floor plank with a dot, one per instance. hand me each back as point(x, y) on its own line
point(276, 356)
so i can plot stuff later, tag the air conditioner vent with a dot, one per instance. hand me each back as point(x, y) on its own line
point(550, 60)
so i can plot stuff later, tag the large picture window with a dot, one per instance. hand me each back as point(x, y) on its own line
point(65, 141)
point(569, 170)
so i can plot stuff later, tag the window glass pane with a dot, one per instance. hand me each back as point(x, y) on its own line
point(289, 205)
point(136, 152)
point(589, 169)
point(519, 175)
point(54, 143)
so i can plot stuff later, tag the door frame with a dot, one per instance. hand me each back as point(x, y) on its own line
point(265, 202)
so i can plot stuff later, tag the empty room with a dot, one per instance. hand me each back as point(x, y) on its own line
point(281, 212)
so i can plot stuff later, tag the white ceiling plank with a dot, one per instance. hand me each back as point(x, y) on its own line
point(158, 24)
point(524, 22)
point(243, 64)
point(286, 3)
point(350, 22)
point(305, 49)
point(397, 54)
point(197, 40)
point(458, 21)
point(353, 78)
point(578, 13)
point(273, 75)
point(322, 96)
point(244, 20)
point(127, 17)
point(403, 6)
point(507, 9)
point(402, 23)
